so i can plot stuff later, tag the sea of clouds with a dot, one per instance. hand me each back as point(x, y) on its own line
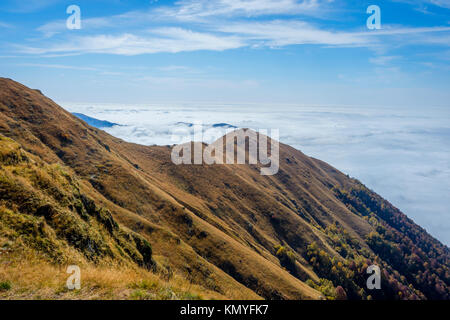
point(403, 154)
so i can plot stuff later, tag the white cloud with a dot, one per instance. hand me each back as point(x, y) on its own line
point(59, 26)
point(219, 25)
point(218, 36)
point(161, 40)
point(200, 9)
point(282, 33)
point(439, 3)
point(6, 25)
point(56, 66)
point(52, 28)
point(383, 60)
point(207, 11)
point(173, 68)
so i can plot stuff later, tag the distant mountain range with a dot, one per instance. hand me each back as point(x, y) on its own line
point(94, 122)
point(215, 125)
point(142, 227)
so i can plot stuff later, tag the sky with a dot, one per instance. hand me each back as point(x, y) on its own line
point(318, 52)
point(374, 103)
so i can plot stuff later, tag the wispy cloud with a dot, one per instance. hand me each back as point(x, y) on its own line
point(275, 33)
point(160, 40)
point(196, 10)
point(59, 26)
point(205, 11)
point(56, 66)
point(5, 25)
point(282, 33)
point(383, 60)
point(219, 25)
point(438, 3)
point(174, 68)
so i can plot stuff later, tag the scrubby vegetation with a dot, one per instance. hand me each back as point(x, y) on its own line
point(287, 258)
point(42, 206)
point(5, 286)
point(397, 246)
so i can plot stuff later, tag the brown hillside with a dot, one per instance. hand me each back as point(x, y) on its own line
point(228, 229)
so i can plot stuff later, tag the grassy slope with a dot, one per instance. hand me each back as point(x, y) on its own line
point(47, 223)
point(219, 226)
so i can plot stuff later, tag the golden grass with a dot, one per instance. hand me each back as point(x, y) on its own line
point(30, 277)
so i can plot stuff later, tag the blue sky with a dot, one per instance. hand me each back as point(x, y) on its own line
point(315, 52)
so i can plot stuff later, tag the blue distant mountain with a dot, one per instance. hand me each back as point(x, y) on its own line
point(95, 122)
point(215, 125)
point(223, 125)
point(185, 123)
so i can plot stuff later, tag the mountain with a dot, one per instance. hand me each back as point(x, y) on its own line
point(94, 122)
point(73, 194)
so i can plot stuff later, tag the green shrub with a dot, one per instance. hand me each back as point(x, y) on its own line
point(287, 258)
point(5, 285)
point(324, 286)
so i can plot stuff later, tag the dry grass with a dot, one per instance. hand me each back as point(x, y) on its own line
point(31, 277)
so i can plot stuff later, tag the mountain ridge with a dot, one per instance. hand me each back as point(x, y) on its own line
point(227, 228)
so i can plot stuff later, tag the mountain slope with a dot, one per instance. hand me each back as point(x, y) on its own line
point(230, 230)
